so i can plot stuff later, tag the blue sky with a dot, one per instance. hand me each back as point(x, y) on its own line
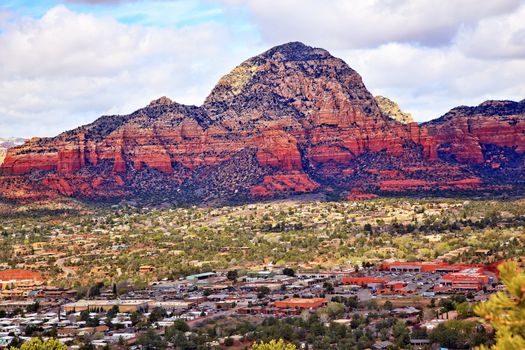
point(63, 64)
point(162, 13)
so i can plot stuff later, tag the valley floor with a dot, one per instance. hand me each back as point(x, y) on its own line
point(388, 271)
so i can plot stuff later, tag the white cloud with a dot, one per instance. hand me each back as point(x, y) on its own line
point(68, 68)
point(428, 82)
point(496, 37)
point(429, 56)
point(368, 23)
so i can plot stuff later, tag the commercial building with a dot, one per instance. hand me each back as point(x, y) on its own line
point(472, 279)
point(106, 305)
point(300, 303)
point(20, 279)
point(364, 281)
point(201, 276)
point(430, 267)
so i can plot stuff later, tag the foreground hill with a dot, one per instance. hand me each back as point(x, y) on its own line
point(292, 120)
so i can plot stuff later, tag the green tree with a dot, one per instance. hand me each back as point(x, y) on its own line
point(464, 310)
point(33, 307)
point(273, 345)
point(84, 315)
point(288, 272)
point(39, 344)
point(180, 325)
point(262, 292)
point(156, 315)
point(401, 334)
point(328, 287)
point(332, 310)
point(151, 341)
point(232, 275)
point(112, 312)
point(458, 334)
point(388, 306)
point(505, 310)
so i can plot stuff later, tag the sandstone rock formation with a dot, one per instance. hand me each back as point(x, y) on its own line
point(392, 110)
point(292, 120)
point(7, 143)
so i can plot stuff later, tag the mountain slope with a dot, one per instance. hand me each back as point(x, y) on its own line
point(6, 143)
point(292, 120)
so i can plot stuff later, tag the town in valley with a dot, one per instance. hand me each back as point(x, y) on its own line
point(126, 277)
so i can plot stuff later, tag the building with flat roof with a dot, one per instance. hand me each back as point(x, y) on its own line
point(472, 279)
point(106, 305)
point(16, 278)
point(364, 281)
point(170, 305)
point(201, 276)
point(419, 266)
point(13, 305)
point(300, 303)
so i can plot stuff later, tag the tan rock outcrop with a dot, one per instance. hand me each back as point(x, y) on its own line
point(392, 110)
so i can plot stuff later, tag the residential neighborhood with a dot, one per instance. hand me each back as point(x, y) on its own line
point(410, 291)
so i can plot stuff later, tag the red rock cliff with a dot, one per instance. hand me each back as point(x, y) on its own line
point(292, 120)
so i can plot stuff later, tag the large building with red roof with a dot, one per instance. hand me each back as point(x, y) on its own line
point(16, 278)
point(364, 281)
point(472, 279)
point(301, 303)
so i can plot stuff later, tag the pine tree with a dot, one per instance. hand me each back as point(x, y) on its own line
point(505, 310)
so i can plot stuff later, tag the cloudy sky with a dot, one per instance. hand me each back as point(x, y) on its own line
point(63, 64)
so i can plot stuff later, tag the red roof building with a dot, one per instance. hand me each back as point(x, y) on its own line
point(467, 279)
point(363, 281)
point(20, 278)
point(396, 285)
point(301, 303)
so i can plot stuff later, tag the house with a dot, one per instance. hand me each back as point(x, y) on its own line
point(13, 305)
point(144, 269)
point(419, 343)
point(482, 252)
point(408, 311)
point(22, 249)
point(5, 341)
point(432, 324)
point(380, 345)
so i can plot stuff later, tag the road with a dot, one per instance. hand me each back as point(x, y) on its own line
point(68, 271)
point(196, 321)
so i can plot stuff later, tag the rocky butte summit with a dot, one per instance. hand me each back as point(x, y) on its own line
point(291, 120)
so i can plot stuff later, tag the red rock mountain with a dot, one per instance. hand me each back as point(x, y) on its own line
point(5, 144)
point(292, 120)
